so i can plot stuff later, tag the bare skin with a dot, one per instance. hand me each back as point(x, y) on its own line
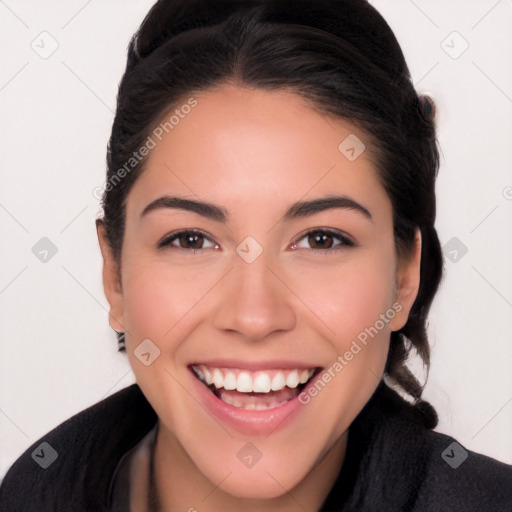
point(255, 153)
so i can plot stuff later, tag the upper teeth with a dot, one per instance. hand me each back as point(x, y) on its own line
point(246, 381)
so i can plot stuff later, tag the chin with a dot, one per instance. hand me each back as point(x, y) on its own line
point(265, 483)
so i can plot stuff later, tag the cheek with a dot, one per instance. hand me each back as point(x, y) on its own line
point(350, 298)
point(365, 297)
point(156, 299)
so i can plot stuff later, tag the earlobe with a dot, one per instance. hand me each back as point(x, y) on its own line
point(111, 280)
point(408, 283)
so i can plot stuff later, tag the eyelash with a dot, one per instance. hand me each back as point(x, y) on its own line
point(345, 241)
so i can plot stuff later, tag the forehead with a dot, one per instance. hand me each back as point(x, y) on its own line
point(249, 147)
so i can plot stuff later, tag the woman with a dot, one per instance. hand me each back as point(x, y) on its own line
point(270, 258)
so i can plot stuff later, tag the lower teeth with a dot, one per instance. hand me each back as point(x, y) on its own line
point(253, 401)
point(254, 405)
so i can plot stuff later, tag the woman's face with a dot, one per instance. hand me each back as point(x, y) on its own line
point(255, 299)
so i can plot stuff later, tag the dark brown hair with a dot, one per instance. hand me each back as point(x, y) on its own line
point(339, 55)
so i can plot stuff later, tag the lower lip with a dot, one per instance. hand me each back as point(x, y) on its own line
point(245, 421)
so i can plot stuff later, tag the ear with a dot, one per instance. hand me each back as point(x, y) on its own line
point(111, 279)
point(408, 284)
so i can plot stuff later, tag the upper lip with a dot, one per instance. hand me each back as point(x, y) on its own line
point(244, 364)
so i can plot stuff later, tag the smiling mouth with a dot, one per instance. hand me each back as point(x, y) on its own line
point(254, 390)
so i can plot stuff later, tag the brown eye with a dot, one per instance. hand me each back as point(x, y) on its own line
point(190, 240)
point(187, 240)
point(320, 240)
point(324, 240)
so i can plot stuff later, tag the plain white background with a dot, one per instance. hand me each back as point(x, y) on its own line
point(58, 354)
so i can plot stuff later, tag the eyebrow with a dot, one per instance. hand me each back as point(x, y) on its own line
point(220, 214)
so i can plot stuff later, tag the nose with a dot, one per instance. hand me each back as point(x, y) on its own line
point(254, 301)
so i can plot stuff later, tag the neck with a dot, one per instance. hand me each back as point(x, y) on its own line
point(179, 485)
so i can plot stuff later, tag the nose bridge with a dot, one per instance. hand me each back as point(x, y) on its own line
point(254, 303)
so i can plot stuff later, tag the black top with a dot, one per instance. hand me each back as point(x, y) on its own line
point(392, 463)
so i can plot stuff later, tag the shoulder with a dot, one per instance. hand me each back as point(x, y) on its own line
point(71, 466)
point(401, 463)
point(444, 474)
point(455, 478)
